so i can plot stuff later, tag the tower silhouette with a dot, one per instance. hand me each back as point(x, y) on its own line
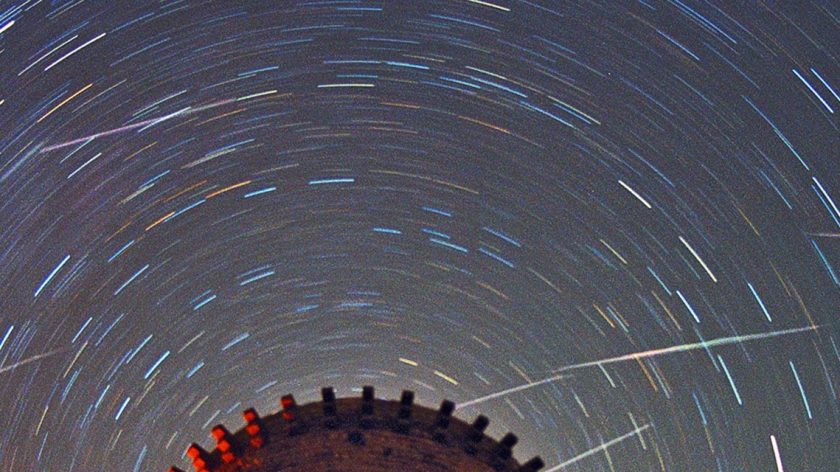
point(358, 434)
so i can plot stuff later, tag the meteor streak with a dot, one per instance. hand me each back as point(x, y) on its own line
point(29, 360)
point(598, 449)
point(640, 355)
point(141, 124)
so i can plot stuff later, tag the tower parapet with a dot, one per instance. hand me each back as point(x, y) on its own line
point(358, 434)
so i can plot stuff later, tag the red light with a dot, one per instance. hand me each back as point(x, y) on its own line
point(193, 452)
point(223, 445)
point(288, 401)
point(253, 429)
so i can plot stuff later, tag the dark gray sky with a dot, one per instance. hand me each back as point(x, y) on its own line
point(612, 227)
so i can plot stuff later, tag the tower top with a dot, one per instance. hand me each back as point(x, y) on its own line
point(358, 434)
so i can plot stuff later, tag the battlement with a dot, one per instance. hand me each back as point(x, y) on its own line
point(358, 434)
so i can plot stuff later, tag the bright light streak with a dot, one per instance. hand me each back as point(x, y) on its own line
point(6, 26)
point(640, 355)
point(779, 466)
point(150, 122)
point(701, 261)
point(598, 449)
point(34, 358)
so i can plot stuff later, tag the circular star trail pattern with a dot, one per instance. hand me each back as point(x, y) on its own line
point(622, 218)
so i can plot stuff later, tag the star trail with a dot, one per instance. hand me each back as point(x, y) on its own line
point(611, 227)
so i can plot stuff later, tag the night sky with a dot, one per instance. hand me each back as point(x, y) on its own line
point(611, 227)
